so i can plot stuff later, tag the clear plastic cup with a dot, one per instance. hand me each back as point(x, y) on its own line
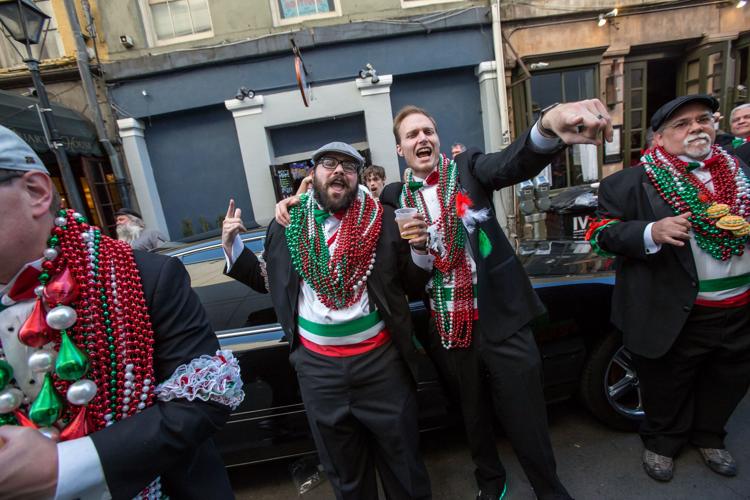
point(404, 216)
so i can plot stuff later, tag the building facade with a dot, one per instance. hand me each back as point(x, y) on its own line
point(91, 168)
point(213, 101)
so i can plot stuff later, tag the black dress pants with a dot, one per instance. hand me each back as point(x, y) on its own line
point(362, 412)
point(463, 379)
point(515, 388)
point(690, 392)
point(516, 382)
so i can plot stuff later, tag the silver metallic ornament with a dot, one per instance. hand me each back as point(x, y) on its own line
point(60, 221)
point(42, 361)
point(61, 317)
point(10, 399)
point(50, 253)
point(81, 392)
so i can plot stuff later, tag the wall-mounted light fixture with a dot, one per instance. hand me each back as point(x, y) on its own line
point(244, 93)
point(741, 3)
point(369, 71)
point(538, 65)
point(127, 41)
point(603, 17)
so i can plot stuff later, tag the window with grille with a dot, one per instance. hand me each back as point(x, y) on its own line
point(294, 11)
point(179, 20)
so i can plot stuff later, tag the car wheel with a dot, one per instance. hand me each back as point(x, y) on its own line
point(609, 385)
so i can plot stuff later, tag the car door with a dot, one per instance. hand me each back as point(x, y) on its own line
point(271, 421)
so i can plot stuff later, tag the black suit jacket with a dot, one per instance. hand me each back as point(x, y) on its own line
point(655, 293)
point(393, 276)
point(169, 439)
point(506, 299)
point(743, 153)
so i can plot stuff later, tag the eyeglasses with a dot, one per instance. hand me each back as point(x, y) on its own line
point(684, 124)
point(9, 176)
point(330, 163)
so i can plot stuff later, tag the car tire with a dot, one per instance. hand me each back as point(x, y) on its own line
point(609, 384)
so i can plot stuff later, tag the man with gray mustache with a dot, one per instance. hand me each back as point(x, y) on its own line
point(677, 225)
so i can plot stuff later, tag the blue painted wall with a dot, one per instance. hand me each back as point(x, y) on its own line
point(310, 136)
point(197, 166)
point(451, 97)
point(210, 85)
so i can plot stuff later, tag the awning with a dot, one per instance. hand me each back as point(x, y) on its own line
point(20, 114)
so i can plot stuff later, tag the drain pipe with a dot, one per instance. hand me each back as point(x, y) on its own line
point(87, 81)
point(502, 102)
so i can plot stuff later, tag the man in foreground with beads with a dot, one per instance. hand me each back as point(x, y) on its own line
point(480, 296)
point(111, 383)
point(677, 224)
point(337, 276)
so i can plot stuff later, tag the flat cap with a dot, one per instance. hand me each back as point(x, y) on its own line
point(339, 147)
point(15, 154)
point(666, 111)
point(128, 211)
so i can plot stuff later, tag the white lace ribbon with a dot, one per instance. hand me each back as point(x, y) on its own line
point(215, 378)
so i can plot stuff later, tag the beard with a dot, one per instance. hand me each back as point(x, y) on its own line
point(129, 232)
point(326, 202)
point(694, 150)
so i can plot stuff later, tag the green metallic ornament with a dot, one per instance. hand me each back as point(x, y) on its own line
point(72, 363)
point(6, 373)
point(8, 419)
point(46, 408)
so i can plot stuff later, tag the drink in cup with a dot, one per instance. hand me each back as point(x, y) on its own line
point(404, 216)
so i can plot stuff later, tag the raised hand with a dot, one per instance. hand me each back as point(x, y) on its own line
point(579, 122)
point(672, 230)
point(231, 227)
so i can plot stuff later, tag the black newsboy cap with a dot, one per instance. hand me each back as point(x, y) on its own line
point(128, 211)
point(665, 112)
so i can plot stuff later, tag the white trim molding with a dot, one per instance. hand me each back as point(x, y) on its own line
point(142, 173)
point(407, 4)
point(254, 117)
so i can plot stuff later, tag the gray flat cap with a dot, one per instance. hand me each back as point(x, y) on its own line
point(339, 147)
point(15, 154)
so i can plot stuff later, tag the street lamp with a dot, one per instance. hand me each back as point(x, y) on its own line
point(24, 22)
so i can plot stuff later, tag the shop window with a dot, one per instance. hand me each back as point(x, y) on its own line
point(173, 21)
point(52, 49)
point(296, 11)
point(575, 165)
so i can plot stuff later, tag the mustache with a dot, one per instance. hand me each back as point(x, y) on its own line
point(694, 137)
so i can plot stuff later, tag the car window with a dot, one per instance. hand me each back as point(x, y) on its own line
point(229, 304)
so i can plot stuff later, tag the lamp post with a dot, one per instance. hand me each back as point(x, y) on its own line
point(24, 22)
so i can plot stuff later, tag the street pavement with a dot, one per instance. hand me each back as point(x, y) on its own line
point(594, 462)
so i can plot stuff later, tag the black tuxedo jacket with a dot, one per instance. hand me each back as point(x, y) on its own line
point(393, 276)
point(169, 439)
point(655, 293)
point(506, 299)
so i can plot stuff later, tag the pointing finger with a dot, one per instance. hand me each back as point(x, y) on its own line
point(230, 210)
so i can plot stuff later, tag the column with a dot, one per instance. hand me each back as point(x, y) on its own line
point(493, 134)
point(142, 174)
point(376, 104)
point(257, 154)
